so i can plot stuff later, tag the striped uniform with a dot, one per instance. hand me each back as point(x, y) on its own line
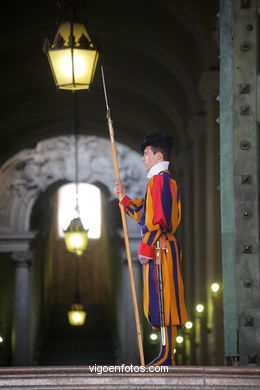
point(160, 212)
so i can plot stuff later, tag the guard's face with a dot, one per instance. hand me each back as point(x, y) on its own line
point(150, 158)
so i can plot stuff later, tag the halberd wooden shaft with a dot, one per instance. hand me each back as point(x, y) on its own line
point(123, 217)
point(127, 247)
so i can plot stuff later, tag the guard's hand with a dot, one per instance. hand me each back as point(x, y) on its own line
point(119, 189)
point(143, 259)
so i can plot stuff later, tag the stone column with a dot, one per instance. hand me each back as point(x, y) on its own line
point(22, 315)
point(187, 243)
point(197, 132)
point(209, 89)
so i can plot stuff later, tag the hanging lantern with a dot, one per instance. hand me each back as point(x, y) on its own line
point(76, 237)
point(77, 315)
point(72, 56)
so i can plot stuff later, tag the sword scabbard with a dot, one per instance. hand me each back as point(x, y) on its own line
point(158, 262)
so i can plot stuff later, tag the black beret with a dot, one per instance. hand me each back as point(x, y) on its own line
point(157, 139)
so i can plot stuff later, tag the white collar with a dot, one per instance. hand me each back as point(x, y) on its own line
point(157, 168)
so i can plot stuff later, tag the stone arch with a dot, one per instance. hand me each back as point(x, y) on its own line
point(32, 171)
point(24, 178)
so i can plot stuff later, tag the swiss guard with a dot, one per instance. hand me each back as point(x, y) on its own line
point(159, 215)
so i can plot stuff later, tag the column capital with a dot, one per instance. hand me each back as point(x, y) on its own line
point(22, 259)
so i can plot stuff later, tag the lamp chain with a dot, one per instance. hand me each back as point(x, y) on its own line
point(77, 280)
point(75, 122)
point(69, 6)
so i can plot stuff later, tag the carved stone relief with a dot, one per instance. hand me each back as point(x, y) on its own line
point(31, 171)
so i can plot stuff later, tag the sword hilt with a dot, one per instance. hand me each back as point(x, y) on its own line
point(158, 253)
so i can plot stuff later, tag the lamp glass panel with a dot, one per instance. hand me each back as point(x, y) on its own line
point(84, 67)
point(61, 65)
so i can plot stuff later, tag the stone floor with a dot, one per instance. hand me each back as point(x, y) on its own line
point(180, 378)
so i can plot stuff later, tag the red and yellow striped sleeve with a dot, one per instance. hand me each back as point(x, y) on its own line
point(133, 207)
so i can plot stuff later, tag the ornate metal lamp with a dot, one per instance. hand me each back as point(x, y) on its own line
point(76, 237)
point(77, 315)
point(73, 58)
point(72, 55)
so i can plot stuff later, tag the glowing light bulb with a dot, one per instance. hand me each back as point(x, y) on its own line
point(179, 339)
point(77, 315)
point(188, 325)
point(80, 64)
point(1, 339)
point(200, 308)
point(215, 287)
point(153, 336)
point(76, 240)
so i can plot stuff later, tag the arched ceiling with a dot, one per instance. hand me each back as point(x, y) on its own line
point(154, 54)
